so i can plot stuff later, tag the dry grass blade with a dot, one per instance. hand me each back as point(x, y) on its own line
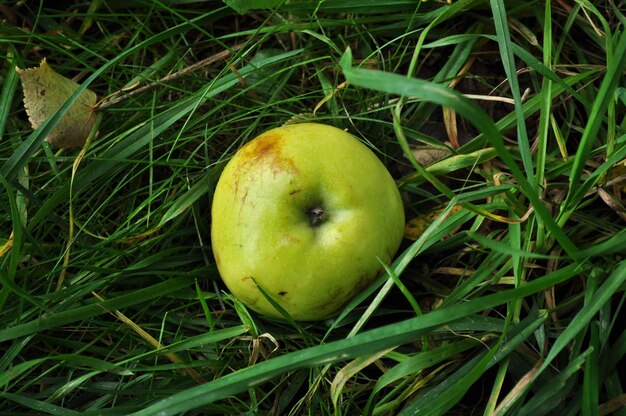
point(7, 245)
point(173, 357)
point(612, 405)
point(123, 95)
point(519, 388)
point(350, 370)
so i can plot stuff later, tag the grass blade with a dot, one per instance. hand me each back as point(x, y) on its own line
point(358, 345)
point(398, 84)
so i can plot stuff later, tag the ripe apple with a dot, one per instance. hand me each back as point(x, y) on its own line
point(305, 211)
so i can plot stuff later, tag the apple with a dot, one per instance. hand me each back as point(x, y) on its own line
point(307, 212)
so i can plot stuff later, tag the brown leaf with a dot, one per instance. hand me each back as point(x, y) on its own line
point(45, 91)
point(427, 155)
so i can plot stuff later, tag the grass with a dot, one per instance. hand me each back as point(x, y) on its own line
point(509, 300)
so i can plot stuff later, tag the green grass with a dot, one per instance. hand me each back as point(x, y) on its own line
point(511, 301)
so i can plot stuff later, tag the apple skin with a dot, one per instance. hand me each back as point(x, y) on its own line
point(305, 211)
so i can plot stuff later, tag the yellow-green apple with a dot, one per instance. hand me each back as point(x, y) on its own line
point(307, 212)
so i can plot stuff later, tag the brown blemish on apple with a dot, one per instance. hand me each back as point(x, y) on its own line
point(291, 239)
point(245, 278)
point(282, 293)
point(295, 191)
point(266, 150)
point(263, 154)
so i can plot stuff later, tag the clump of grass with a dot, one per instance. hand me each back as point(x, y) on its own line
point(508, 301)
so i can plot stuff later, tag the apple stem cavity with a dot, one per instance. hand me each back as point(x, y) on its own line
point(317, 215)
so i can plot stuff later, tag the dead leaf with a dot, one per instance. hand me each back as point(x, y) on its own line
point(449, 121)
point(416, 226)
point(45, 91)
point(612, 203)
point(427, 155)
point(617, 175)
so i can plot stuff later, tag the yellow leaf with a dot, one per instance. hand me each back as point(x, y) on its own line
point(44, 92)
point(416, 226)
point(617, 175)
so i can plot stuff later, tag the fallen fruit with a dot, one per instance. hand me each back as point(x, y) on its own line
point(305, 211)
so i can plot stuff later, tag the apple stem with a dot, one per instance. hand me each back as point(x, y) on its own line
point(317, 215)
